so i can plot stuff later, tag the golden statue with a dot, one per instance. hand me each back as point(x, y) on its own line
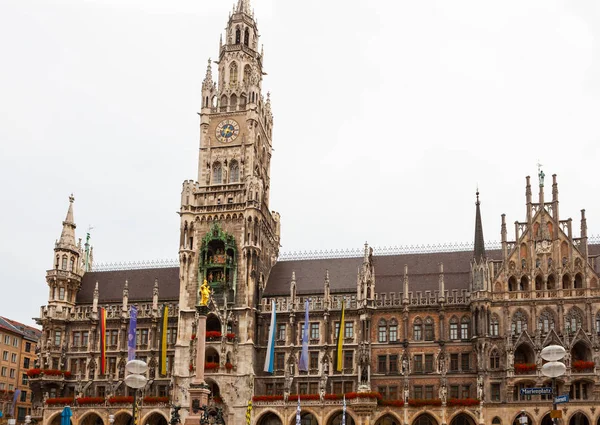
point(204, 293)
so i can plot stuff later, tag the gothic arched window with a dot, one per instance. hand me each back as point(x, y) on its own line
point(418, 330)
point(573, 320)
point(429, 333)
point(234, 172)
point(465, 323)
point(233, 73)
point(393, 330)
point(217, 173)
point(64, 262)
point(246, 37)
point(494, 359)
point(519, 322)
point(494, 325)
point(546, 321)
point(72, 265)
point(382, 331)
point(238, 35)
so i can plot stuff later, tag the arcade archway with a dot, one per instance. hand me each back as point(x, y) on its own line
point(579, 419)
point(155, 418)
point(336, 419)
point(269, 419)
point(91, 418)
point(462, 419)
point(425, 419)
point(387, 420)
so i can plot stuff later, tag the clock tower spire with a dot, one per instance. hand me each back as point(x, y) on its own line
point(229, 202)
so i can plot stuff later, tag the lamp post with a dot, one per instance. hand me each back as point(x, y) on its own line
point(135, 380)
point(554, 368)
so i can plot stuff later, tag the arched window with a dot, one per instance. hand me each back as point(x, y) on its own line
point(512, 283)
point(573, 320)
point(64, 262)
point(382, 331)
point(429, 332)
point(72, 265)
point(496, 421)
point(418, 330)
point(494, 360)
point(234, 171)
point(494, 325)
point(551, 283)
point(519, 323)
point(539, 283)
point(598, 323)
point(454, 328)
point(246, 37)
point(238, 36)
point(233, 102)
point(578, 281)
point(233, 73)
point(566, 282)
point(465, 323)
point(217, 173)
point(393, 330)
point(546, 322)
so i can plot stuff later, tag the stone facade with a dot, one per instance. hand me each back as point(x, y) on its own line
point(446, 337)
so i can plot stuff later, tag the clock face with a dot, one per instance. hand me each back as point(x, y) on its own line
point(227, 131)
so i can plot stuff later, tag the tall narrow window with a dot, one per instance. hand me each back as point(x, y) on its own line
point(246, 37)
point(233, 73)
point(464, 328)
point(418, 330)
point(234, 172)
point(494, 326)
point(453, 328)
point(393, 330)
point(217, 173)
point(429, 334)
point(382, 331)
point(238, 36)
point(64, 262)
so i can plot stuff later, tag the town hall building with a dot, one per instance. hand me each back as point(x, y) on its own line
point(447, 336)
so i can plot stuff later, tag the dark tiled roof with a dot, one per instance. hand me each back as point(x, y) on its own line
point(140, 282)
point(423, 272)
point(310, 275)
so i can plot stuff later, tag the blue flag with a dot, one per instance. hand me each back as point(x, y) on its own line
point(271, 344)
point(303, 364)
point(131, 335)
point(14, 402)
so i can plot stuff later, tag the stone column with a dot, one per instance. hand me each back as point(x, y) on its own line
point(199, 390)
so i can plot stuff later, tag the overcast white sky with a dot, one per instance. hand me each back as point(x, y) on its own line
point(387, 116)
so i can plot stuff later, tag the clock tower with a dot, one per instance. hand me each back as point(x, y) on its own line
point(228, 235)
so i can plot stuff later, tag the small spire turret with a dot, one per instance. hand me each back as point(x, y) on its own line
point(479, 245)
point(405, 286)
point(442, 286)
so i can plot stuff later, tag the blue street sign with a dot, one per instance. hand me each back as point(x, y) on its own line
point(561, 399)
point(536, 391)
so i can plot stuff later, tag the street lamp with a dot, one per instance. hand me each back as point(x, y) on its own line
point(554, 368)
point(135, 380)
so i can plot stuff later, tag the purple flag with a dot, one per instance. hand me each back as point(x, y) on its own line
point(131, 335)
point(303, 364)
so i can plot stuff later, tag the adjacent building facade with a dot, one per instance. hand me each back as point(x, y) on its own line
point(18, 345)
point(430, 337)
